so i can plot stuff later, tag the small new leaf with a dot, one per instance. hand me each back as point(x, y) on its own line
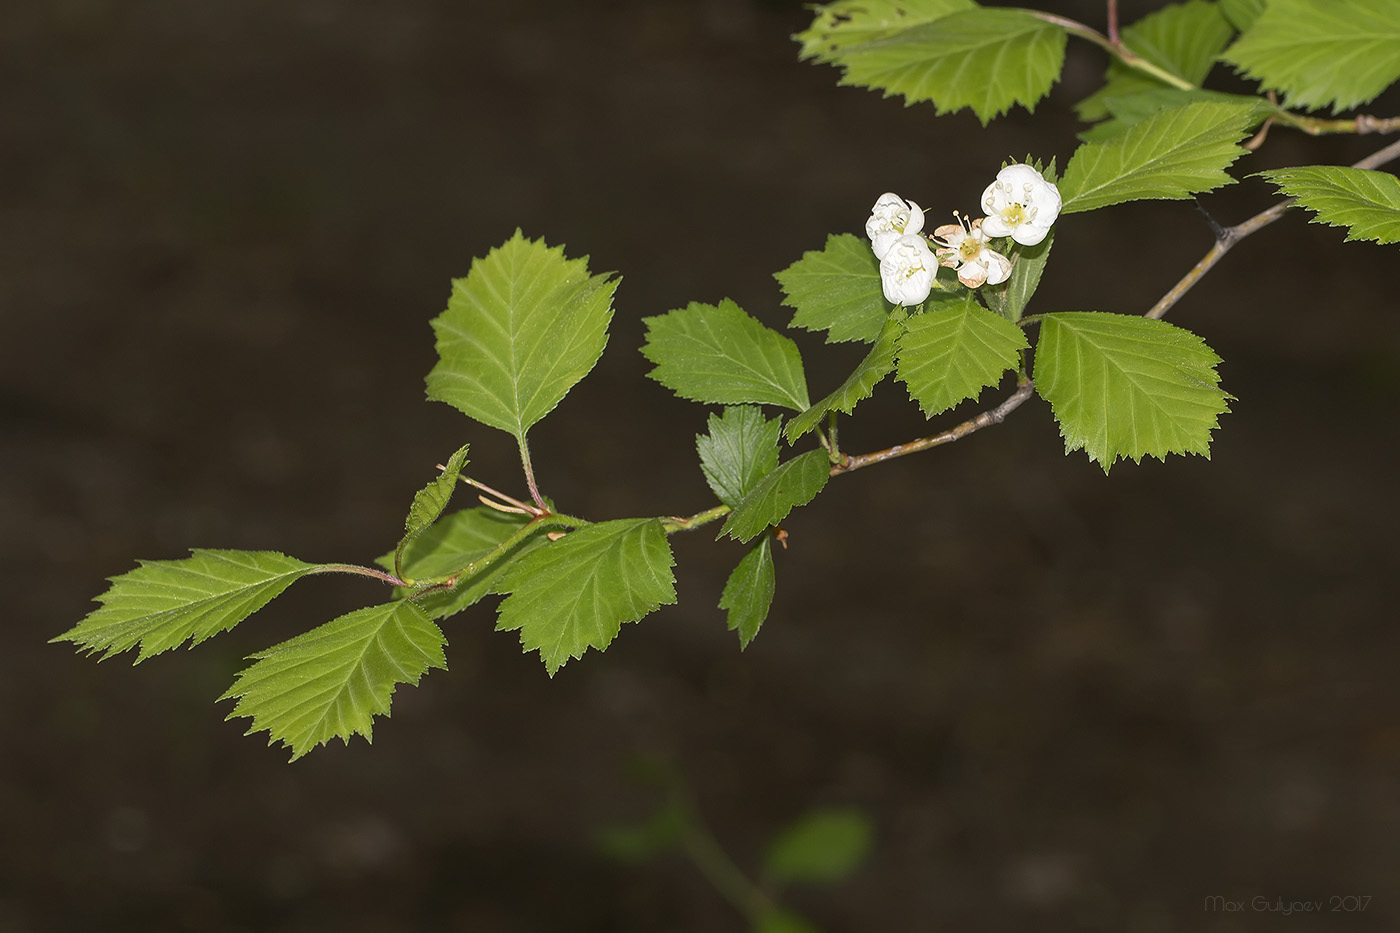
point(428, 504)
point(748, 594)
point(878, 364)
point(852, 22)
point(952, 353)
point(793, 483)
point(1366, 203)
point(823, 846)
point(1172, 155)
point(741, 449)
point(837, 289)
point(332, 681)
point(963, 60)
point(575, 593)
point(163, 603)
point(1340, 53)
point(721, 355)
point(1127, 386)
point(519, 332)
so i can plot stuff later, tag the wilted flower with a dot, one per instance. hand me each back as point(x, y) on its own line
point(891, 218)
point(963, 246)
point(1020, 204)
point(907, 270)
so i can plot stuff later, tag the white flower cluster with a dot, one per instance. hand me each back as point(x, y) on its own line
point(1020, 204)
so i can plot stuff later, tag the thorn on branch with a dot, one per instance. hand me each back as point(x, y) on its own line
point(1220, 232)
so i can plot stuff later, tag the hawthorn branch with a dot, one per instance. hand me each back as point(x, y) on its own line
point(1024, 388)
point(1226, 237)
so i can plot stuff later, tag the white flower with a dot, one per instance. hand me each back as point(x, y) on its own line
point(1020, 204)
point(963, 247)
point(891, 218)
point(907, 270)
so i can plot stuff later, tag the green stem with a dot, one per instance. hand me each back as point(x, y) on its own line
point(530, 475)
point(674, 523)
point(356, 569)
point(726, 878)
point(1115, 48)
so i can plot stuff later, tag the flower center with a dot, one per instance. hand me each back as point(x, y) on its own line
point(1015, 215)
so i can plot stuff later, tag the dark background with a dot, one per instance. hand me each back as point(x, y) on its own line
point(1067, 701)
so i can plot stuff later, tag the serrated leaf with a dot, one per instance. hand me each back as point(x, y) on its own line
point(1181, 39)
point(1367, 203)
point(1131, 109)
point(1172, 155)
point(1009, 299)
point(793, 483)
point(740, 450)
point(748, 594)
point(985, 59)
point(454, 544)
point(332, 681)
point(1126, 386)
point(823, 846)
point(575, 593)
point(1242, 13)
point(519, 332)
point(1339, 53)
point(953, 353)
point(428, 504)
point(876, 365)
point(837, 289)
point(164, 603)
point(721, 355)
point(1119, 81)
point(852, 22)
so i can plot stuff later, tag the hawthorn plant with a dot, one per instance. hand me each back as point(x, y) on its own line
point(941, 304)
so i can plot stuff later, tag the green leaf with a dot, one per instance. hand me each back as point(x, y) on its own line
point(1339, 53)
point(575, 593)
point(748, 594)
point(740, 450)
point(1009, 299)
point(1126, 386)
point(1242, 13)
point(1366, 202)
point(719, 354)
point(837, 290)
point(852, 22)
point(823, 846)
point(782, 920)
point(453, 545)
point(1131, 109)
point(1172, 155)
point(953, 353)
point(664, 831)
point(163, 603)
point(793, 483)
point(428, 504)
point(332, 681)
point(878, 364)
point(1181, 39)
point(519, 332)
point(985, 59)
